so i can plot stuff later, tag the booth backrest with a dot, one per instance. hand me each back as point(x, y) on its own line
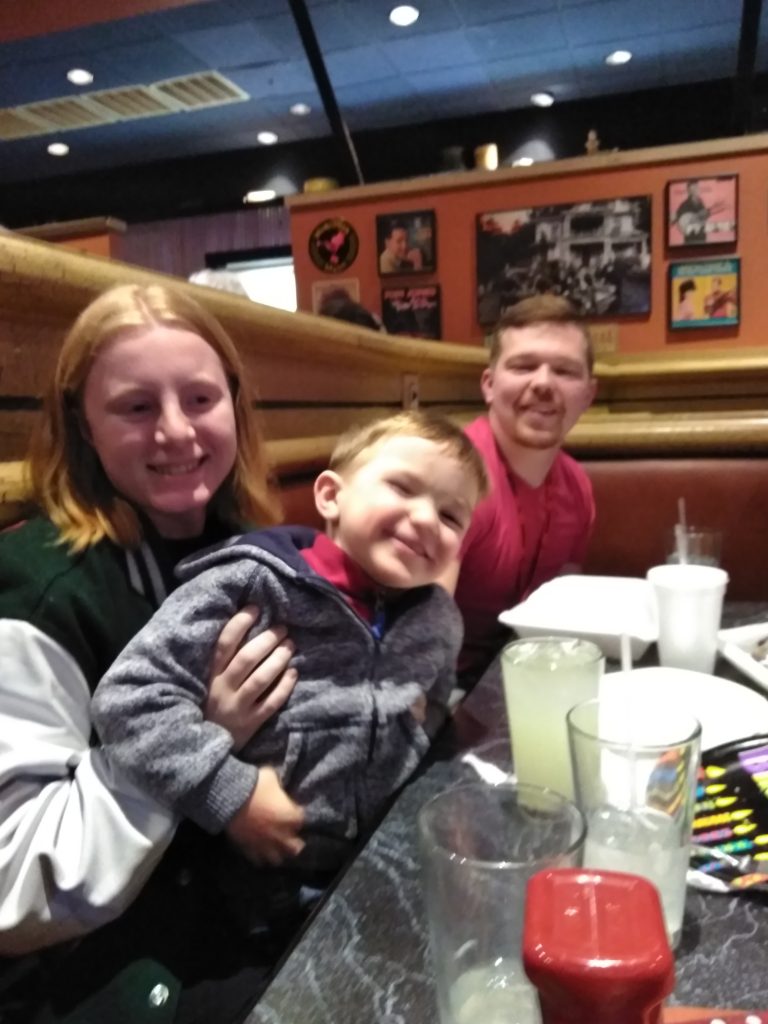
point(636, 501)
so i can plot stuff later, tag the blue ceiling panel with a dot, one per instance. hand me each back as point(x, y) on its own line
point(442, 80)
point(523, 35)
point(480, 12)
point(552, 65)
point(687, 15)
point(359, 64)
point(336, 30)
point(372, 18)
point(278, 79)
point(230, 45)
point(611, 21)
point(153, 60)
point(446, 49)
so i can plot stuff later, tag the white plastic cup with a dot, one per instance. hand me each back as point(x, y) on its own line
point(689, 601)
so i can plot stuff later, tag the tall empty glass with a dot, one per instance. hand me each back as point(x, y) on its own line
point(635, 769)
point(543, 678)
point(479, 846)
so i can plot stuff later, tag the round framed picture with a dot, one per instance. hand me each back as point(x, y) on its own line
point(333, 245)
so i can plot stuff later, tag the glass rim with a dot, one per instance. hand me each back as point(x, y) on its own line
point(597, 654)
point(444, 852)
point(625, 744)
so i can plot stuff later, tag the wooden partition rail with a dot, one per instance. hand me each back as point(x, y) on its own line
point(311, 377)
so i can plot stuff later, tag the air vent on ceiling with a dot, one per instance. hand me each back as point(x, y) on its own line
point(130, 103)
point(87, 110)
point(207, 89)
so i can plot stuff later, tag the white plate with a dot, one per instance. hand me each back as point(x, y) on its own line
point(727, 710)
point(597, 608)
point(736, 645)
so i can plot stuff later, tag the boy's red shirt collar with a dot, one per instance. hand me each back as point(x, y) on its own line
point(329, 561)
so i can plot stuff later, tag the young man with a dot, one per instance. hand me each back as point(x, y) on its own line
point(376, 643)
point(537, 520)
point(396, 257)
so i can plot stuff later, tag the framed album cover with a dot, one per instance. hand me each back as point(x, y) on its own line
point(704, 293)
point(405, 243)
point(702, 211)
point(412, 311)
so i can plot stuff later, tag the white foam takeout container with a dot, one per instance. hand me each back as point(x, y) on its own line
point(597, 608)
point(736, 646)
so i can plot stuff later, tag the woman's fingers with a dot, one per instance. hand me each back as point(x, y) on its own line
point(263, 707)
point(260, 661)
point(232, 636)
point(250, 679)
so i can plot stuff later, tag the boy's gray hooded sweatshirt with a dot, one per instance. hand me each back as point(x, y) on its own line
point(347, 737)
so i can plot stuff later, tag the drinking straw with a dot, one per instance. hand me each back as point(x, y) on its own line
point(626, 653)
point(681, 533)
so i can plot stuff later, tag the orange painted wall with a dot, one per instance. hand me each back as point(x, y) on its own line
point(456, 209)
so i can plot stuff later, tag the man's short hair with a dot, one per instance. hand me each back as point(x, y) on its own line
point(542, 309)
point(395, 225)
point(355, 444)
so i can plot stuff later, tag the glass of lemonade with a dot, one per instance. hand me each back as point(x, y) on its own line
point(543, 678)
point(479, 845)
point(635, 769)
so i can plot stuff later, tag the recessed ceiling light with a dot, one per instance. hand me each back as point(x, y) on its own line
point(300, 109)
point(58, 149)
point(267, 138)
point(79, 76)
point(403, 15)
point(523, 161)
point(542, 99)
point(619, 57)
point(262, 195)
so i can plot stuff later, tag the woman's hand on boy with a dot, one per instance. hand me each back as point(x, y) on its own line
point(250, 680)
point(267, 826)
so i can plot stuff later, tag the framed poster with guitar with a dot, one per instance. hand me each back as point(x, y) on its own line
point(702, 211)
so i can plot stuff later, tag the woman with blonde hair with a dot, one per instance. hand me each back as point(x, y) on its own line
point(147, 450)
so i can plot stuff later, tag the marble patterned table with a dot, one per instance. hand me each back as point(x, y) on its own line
point(363, 957)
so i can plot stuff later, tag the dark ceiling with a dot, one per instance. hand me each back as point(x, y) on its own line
point(150, 137)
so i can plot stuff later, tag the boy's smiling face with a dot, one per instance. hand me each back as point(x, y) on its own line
point(400, 510)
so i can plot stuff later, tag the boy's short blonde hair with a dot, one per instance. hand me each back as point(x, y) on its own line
point(355, 443)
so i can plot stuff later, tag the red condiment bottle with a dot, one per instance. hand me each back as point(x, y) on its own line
point(595, 947)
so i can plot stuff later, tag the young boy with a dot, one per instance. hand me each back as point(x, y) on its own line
point(376, 643)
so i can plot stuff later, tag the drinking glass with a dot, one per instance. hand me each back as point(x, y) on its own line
point(702, 545)
point(544, 677)
point(479, 846)
point(635, 768)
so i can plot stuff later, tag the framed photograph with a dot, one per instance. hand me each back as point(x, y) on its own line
point(412, 311)
point(405, 243)
point(704, 293)
point(597, 254)
point(349, 286)
point(702, 211)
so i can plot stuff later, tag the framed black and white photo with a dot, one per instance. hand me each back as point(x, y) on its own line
point(405, 243)
point(597, 254)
